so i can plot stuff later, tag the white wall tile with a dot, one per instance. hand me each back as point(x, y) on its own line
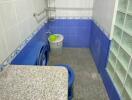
point(3, 49)
point(17, 23)
point(3, 44)
point(73, 4)
point(103, 11)
point(13, 39)
point(70, 13)
point(7, 14)
point(38, 5)
point(22, 9)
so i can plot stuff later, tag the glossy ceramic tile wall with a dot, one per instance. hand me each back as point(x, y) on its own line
point(67, 8)
point(17, 23)
point(103, 11)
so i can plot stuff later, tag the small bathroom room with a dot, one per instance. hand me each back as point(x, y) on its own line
point(66, 50)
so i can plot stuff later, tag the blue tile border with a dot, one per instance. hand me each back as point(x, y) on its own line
point(73, 17)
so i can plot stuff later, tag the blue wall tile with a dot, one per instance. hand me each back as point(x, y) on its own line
point(76, 32)
point(29, 54)
point(99, 46)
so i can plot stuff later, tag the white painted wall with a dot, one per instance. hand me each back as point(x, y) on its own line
point(17, 23)
point(73, 4)
point(103, 11)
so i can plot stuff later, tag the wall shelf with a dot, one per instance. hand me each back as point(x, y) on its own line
point(117, 34)
point(120, 57)
point(128, 25)
point(128, 86)
point(115, 47)
point(125, 95)
point(124, 58)
point(120, 27)
point(110, 70)
point(127, 43)
point(120, 19)
point(122, 5)
point(130, 7)
point(112, 60)
point(121, 71)
point(118, 84)
point(130, 70)
point(123, 46)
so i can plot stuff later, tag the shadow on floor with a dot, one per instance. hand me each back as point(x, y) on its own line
point(88, 84)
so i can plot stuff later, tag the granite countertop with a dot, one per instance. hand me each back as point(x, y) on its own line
point(33, 83)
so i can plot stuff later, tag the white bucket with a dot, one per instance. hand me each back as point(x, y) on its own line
point(57, 45)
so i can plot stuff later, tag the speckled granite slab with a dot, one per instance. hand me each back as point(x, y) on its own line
point(33, 83)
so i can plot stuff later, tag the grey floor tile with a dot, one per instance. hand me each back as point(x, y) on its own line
point(88, 84)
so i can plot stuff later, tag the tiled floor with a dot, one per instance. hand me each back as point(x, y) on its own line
point(88, 84)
